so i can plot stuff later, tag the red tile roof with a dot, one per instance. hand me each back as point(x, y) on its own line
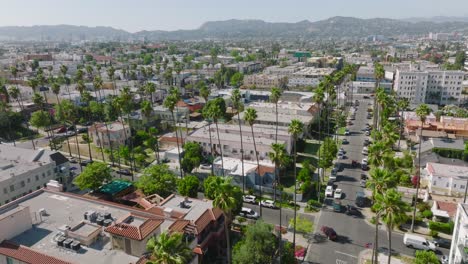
point(179, 226)
point(450, 208)
point(27, 255)
point(205, 219)
point(135, 232)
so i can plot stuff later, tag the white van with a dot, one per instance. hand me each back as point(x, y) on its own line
point(418, 242)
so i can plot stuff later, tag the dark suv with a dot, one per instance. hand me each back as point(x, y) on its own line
point(329, 232)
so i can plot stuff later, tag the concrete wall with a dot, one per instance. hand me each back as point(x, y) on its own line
point(15, 222)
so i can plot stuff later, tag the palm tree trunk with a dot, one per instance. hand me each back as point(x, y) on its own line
point(228, 241)
point(319, 180)
point(295, 191)
point(211, 148)
point(276, 113)
point(242, 151)
point(178, 149)
point(418, 178)
point(77, 144)
point(108, 137)
point(258, 168)
point(375, 251)
point(389, 229)
point(220, 147)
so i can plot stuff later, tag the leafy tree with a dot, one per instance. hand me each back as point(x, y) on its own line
point(425, 257)
point(327, 152)
point(168, 249)
point(93, 176)
point(192, 156)
point(210, 186)
point(236, 79)
point(157, 179)
point(257, 247)
point(188, 186)
point(40, 119)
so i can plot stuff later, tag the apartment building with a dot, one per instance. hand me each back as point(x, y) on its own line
point(429, 86)
point(283, 71)
point(450, 180)
point(454, 127)
point(115, 134)
point(264, 81)
point(459, 247)
point(309, 76)
point(23, 171)
point(231, 143)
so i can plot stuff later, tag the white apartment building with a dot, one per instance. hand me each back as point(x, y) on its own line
point(309, 76)
point(264, 81)
point(115, 133)
point(458, 254)
point(450, 180)
point(231, 143)
point(283, 71)
point(23, 171)
point(429, 86)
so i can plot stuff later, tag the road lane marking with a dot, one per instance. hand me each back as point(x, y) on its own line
point(346, 254)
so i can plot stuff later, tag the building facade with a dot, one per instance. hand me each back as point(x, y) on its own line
point(459, 245)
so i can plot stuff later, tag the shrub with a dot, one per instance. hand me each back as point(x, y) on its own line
point(423, 207)
point(446, 228)
point(434, 233)
point(427, 214)
point(314, 203)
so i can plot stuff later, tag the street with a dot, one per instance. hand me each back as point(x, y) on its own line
point(271, 216)
point(353, 233)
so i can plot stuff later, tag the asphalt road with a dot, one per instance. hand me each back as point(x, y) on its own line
point(353, 233)
point(271, 216)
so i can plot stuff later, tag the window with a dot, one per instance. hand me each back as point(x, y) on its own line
point(37, 177)
point(43, 175)
point(455, 186)
point(29, 180)
point(462, 186)
point(5, 190)
point(434, 183)
point(12, 188)
point(447, 185)
point(48, 173)
point(22, 184)
point(9, 260)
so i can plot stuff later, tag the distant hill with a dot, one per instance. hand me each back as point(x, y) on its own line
point(437, 19)
point(335, 27)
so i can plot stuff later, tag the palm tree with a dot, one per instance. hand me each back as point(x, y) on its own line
point(237, 104)
point(250, 115)
point(14, 72)
point(318, 99)
point(379, 74)
point(392, 210)
point(403, 105)
point(215, 113)
point(224, 200)
point(97, 83)
point(422, 112)
point(111, 74)
point(295, 129)
point(280, 157)
point(150, 88)
point(152, 142)
point(377, 151)
point(14, 93)
point(274, 98)
point(170, 103)
point(169, 249)
point(63, 71)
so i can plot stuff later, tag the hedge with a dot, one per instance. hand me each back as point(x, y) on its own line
point(446, 228)
point(451, 153)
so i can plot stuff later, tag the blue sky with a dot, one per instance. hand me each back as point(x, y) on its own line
point(135, 15)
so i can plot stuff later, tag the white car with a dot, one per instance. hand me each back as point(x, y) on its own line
point(364, 161)
point(329, 191)
point(248, 213)
point(338, 194)
point(268, 203)
point(365, 151)
point(367, 133)
point(249, 199)
point(341, 155)
point(346, 132)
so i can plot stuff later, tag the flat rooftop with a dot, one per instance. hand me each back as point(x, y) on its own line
point(68, 210)
point(193, 208)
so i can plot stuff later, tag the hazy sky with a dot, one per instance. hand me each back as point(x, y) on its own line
point(135, 15)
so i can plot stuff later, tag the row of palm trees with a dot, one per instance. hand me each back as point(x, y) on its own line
point(387, 201)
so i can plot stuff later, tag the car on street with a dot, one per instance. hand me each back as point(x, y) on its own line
point(124, 172)
point(344, 141)
point(342, 151)
point(444, 259)
point(363, 176)
point(366, 97)
point(331, 183)
point(248, 213)
point(352, 117)
point(365, 151)
point(85, 162)
point(418, 242)
point(443, 242)
point(366, 142)
point(367, 133)
point(363, 183)
point(361, 199)
point(364, 167)
point(329, 191)
point(61, 130)
point(341, 155)
point(369, 116)
point(72, 160)
point(354, 211)
point(268, 204)
point(329, 232)
point(364, 161)
point(338, 194)
point(82, 130)
point(346, 132)
point(337, 207)
point(249, 199)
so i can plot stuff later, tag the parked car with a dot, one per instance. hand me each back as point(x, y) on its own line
point(344, 141)
point(444, 259)
point(341, 155)
point(249, 199)
point(329, 191)
point(82, 130)
point(354, 211)
point(363, 183)
point(367, 133)
point(369, 116)
point(248, 213)
point(443, 243)
point(205, 166)
point(342, 151)
point(125, 172)
point(363, 176)
point(268, 203)
point(329, 232)
point(346, 132)
point(331, 183)
point(337, 207)
point(361, 199)
point(418, 242)
point(85, 162)
point(364, 161)
point(72, 160)
point(364, 167)
point(366, 142)
point(338, 194)
point(366, 97)
point(365, 151)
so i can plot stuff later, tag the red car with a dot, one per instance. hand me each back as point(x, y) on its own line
point(329, 232)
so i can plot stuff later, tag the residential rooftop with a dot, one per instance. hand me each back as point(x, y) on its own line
point(444, 170)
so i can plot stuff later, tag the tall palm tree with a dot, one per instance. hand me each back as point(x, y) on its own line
point(274, 98)
point(403, 105)
point(379, 74)
point(226, 201)
point(63, 71)
point(318, 99)
point(377, 151)
point(14, 72)
point(280, 158)
point(422, 111)
point(170, 103)
point(153, 143)
point(111, 75)
point(237, 104)
point(86, 99)
point(215, 113)
point(169, 249)
point(392, 210)
point(250, 116)
point(150, 88)
point(14, 93)
point(97, 83)
point(295, 129)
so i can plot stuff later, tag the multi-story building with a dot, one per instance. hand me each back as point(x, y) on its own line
point(309, 76)
point(445, 179)
point(283, 71)
point(459, 246)
point(115, 134)
point(231, 143)
point(264, 81)
point(23, 171)
point(429, 86)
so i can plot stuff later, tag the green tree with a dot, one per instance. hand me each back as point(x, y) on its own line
point(327, 152)
point(157, 179)
point(425, 257)
point(250, 116)
point(168, 249)
point(192, 156)
point(257, 246)
point(188, 186)
point(210, 185)
point(392, 210)
point(422, 111)
point(295, 129)
point(93, 176)
point(274, 98)
point(236, 98)
point(40, 119)
point(214, 110)
point(170, 103)
point(236, 79)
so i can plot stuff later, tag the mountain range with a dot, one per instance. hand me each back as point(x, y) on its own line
point(335, 27)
